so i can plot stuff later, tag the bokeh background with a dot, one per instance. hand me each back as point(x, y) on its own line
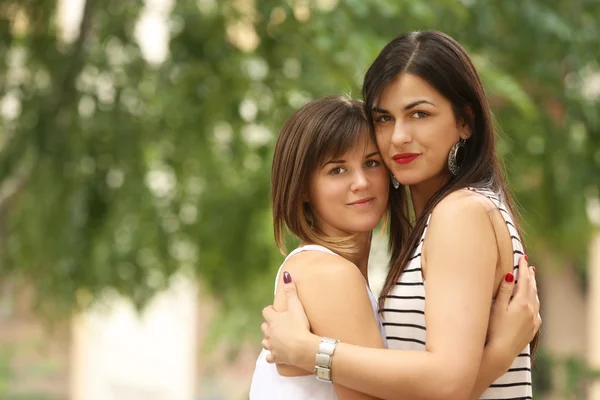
point(135, 148)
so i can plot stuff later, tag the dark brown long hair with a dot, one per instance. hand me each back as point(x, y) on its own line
point(445, 65)
point(322, 129)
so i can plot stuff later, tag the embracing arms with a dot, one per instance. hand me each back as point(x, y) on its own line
point(336, 302)
point(460, 284)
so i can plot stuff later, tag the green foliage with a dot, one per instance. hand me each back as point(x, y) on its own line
point(6, 378)
point(5, 371)
point(115, 173)
point(568, 376)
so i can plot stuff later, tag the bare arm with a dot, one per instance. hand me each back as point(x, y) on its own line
point(459, 290)
point(460, 277)
point(513, 323)
point(492, 367)
point(334, 295)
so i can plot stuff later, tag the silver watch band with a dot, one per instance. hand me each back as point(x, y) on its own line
point(324, 358)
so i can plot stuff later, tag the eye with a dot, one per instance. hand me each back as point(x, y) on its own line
point(382, 118)
point(372, 163)
point(337, 171)
point(419, 115)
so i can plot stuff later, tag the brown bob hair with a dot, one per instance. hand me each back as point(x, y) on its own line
point(322, 129)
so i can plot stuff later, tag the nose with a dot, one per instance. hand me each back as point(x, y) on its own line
point(400, 136)
point(360, 181)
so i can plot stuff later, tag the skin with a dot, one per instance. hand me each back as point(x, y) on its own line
point(418, 119)
point(412, 117)
point(514, 320)
point(357, 175)
point(346, 310)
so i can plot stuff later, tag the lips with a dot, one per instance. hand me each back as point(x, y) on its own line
point(364, 201)
point(405, 158)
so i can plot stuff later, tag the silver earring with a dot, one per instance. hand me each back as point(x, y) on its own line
point(395, 182)
point(457, 156)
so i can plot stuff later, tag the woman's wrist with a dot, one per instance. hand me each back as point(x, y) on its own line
point(498, 356)
point(307, 351)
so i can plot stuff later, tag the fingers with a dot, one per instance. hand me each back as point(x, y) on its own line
point(291, 294)
point(536, 304)
point(532, 281)
point(523, 281)
point(264, 327)
point(265, 344)
point(533, 289)
point(528, 294)
point(525, 297)
point(524, 271)
point(290, 287)
point(505, 291)
point(537, 323)
point(268, 313)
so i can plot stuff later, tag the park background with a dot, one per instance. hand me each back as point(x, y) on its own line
point(136, 247)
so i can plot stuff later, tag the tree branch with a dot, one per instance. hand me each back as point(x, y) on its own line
point(65, 85)
point(64, 91)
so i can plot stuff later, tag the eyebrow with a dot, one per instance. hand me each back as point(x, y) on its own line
point(406, 107)
point(334, 162)
point(343, 161)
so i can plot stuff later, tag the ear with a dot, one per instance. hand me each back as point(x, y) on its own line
point(466, 123)
point(305, 198)
point(465, 131)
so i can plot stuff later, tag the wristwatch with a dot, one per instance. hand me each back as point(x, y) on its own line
point(324, 359)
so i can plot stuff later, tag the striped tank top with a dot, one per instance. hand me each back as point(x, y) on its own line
point(404, 315)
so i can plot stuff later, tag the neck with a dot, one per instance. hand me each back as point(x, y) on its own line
point(423, 192)
point(361, 258)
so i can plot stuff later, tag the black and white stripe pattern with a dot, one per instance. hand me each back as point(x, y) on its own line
point(404, 315)
point(404, 312)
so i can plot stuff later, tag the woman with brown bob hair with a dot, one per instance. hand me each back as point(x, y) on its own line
point(330, 188)
point(454, 241)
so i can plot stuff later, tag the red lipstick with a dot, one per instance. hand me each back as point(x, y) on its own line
point(405, 158)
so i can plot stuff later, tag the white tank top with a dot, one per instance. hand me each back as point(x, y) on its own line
point(267, 384)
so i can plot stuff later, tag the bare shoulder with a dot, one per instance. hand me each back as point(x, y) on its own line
point(461, 235)
point(460, 209)
point(464, 201)
point(318, 268)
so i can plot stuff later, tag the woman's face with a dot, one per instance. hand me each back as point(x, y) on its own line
point(349, 194)
point(415, 128)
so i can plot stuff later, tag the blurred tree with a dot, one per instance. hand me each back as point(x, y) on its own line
point(118, 170)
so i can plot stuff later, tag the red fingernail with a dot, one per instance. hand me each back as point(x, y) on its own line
point(526, 259)
point(509, 277)
point(287, 278)
point(533, 268)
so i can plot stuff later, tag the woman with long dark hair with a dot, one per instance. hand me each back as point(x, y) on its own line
point(453, 237)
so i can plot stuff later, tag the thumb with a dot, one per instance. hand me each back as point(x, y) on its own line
point(505, 291)
point(289, 289)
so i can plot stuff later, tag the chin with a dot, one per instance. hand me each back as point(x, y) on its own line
point(363, 226)
point(409, 179)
